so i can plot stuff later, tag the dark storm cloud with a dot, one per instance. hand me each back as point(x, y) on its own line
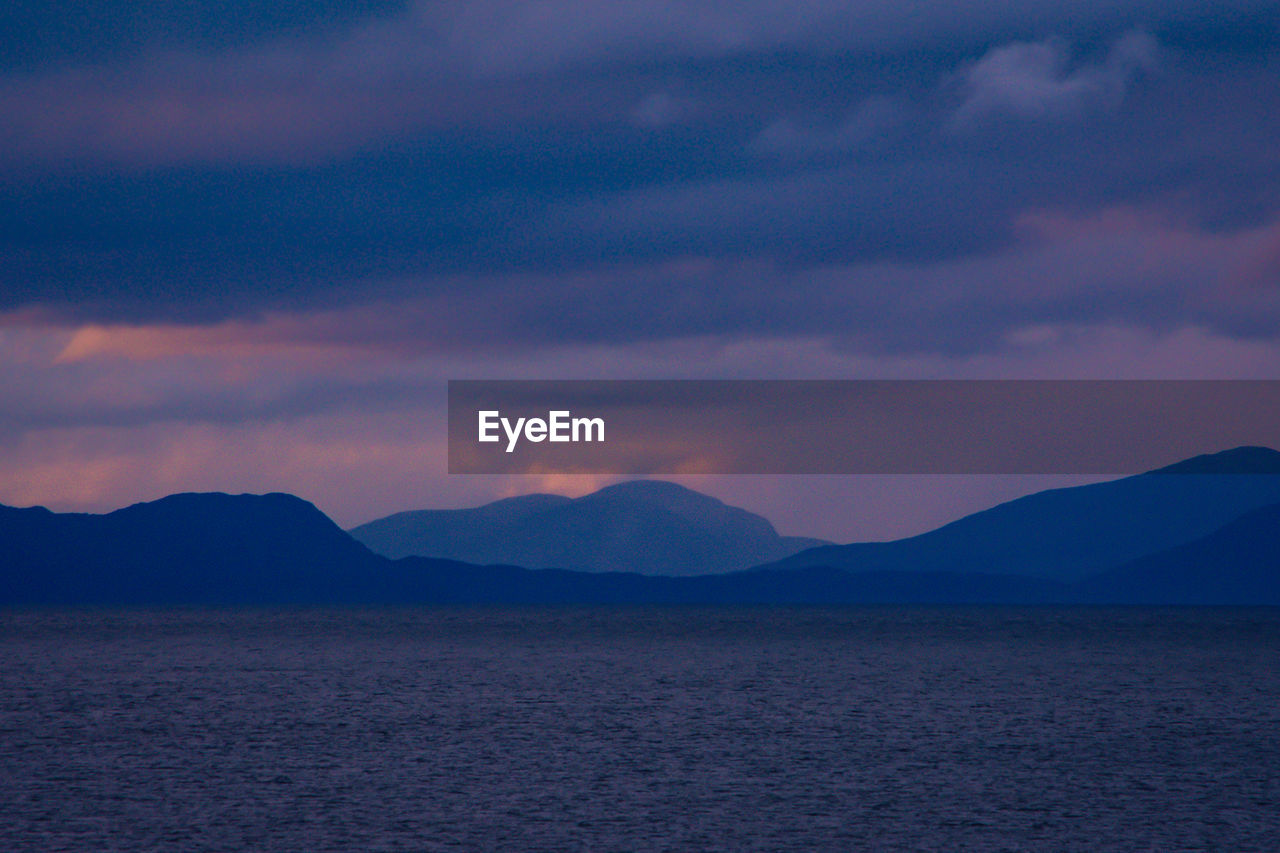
point(61, 32)
point(569, 171)
point(511, 34)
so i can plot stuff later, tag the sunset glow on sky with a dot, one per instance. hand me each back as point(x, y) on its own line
point(244, 246)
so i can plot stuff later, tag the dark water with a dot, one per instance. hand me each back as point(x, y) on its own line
point(683, 729)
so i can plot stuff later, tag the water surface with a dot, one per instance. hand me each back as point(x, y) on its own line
point(675, 728)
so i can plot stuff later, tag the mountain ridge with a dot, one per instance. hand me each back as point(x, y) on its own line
point(647, 526)
point(1069, 533)
point(278, 549)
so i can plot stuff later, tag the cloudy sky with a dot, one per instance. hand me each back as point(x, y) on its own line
point(243, 245)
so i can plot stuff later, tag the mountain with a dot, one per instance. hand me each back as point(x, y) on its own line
point(645, 526)
point(203, 549)
point(276, 549)
point(1237, 564)
point(1069, 534)
point(187, 548)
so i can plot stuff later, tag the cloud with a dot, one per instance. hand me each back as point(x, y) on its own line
point(1140, 267)
point(377, 445)
point(325, 93)
point(250, 263)
point(1037, 80)
point(787, 137)
point(281, 104)
point(322, 95)
point(380, 163)
point(513, 38)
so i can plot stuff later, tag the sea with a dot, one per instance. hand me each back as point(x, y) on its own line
point(597, 729)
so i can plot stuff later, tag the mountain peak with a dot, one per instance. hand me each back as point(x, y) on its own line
point(264, 508)
point(192, 499)
point(1238, 460)
point(1067, 534)
point(654, 492)
point(655, 487)
point(645, 526)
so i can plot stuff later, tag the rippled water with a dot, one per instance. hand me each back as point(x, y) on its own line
point(683, 729)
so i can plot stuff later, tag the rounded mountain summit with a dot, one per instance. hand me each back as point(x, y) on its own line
point(648, 526)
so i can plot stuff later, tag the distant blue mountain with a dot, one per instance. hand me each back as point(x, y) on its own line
point(1068, 534)
point(200, 549)
point(646, 526)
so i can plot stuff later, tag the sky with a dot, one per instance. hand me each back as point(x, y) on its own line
point(243, 246)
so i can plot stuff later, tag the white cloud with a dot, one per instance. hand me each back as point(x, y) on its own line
point(1037, 80)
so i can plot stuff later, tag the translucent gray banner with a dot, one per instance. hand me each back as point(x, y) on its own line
point(642, 427)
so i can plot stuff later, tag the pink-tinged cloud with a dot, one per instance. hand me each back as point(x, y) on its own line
point(1227, 275)
point(365, 435)
point(281, 337)
point(1121, 266)
point(346, 460)
point(357, 469)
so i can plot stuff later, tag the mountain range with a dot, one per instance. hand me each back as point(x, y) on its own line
point(1069, 534)
point(1204, 531)
point(646, 526)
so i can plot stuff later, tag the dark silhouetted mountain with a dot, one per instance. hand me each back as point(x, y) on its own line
point(187, 548)
point(1068, 534)
point(645, 526)
point(1238, 564)
point(201, 549)
point(1240, 460)
point(811, 585)
point(277, 549)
